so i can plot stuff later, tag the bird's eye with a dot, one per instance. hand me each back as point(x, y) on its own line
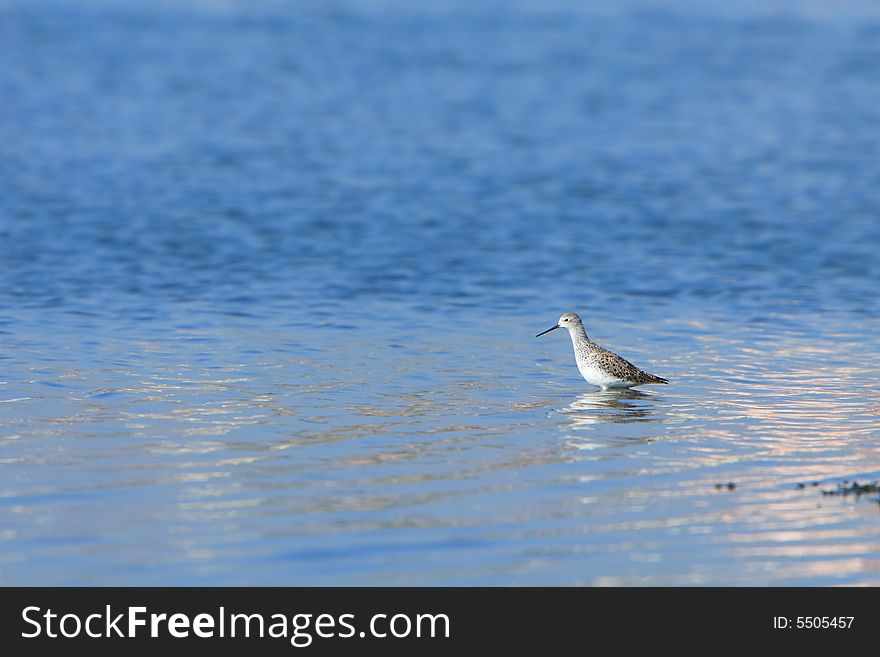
point(565, 320)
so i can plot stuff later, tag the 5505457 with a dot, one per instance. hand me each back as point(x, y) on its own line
point(824, 622)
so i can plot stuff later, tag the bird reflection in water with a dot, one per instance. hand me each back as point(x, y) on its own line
point(616, 406)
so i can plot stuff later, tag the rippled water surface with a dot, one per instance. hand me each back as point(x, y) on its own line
point(270, 277)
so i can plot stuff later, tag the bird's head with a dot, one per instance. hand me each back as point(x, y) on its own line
point(567, 321)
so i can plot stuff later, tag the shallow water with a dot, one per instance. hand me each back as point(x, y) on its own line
point(271, 280)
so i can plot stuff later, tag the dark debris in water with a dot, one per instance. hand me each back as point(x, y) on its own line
point(854, 488)
point(729, 486)
point(846, 488)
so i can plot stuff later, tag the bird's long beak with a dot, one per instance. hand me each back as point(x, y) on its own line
point(552, 328)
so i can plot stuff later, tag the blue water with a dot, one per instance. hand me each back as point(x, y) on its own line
point(270, 276)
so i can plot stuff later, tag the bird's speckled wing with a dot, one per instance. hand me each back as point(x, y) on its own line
point(621, 368)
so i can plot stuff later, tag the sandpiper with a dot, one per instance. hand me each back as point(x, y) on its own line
point(599, 366)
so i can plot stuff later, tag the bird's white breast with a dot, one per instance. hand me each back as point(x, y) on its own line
point(599, 377)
